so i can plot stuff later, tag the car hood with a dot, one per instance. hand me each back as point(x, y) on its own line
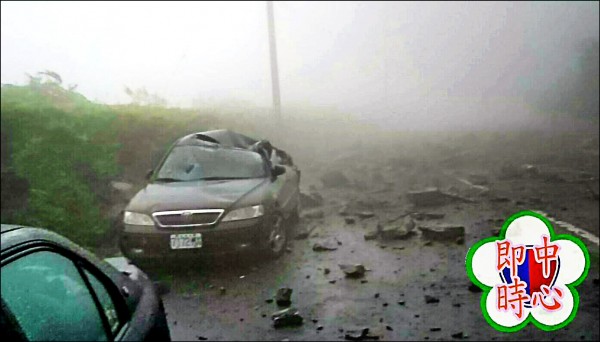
point(220, 194)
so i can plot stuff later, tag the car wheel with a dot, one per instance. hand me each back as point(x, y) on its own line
point(277, 237)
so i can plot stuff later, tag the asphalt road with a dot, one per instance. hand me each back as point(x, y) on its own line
point(390, 299)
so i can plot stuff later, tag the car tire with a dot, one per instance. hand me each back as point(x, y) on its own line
point(277, 237)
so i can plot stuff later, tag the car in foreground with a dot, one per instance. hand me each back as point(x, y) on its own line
point(214, 192)
point(54, 290)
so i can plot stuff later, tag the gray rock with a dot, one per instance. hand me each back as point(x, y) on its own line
point(286, 318)
point(360, 335)
point(283, 296)
point(323, 246)
point(365, 214)
point(353, 271)
point(334, 179)
point(428, 216)
point(311, 200)
point(431, 299)
point(314, 214)
point(398, 232)
point(442, 233)
point(371, 235)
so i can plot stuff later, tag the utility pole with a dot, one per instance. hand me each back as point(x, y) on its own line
point(274, 69)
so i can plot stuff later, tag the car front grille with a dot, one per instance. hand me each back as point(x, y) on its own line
point(187, 218)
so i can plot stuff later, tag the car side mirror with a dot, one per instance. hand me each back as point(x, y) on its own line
point(277, 171)
point(149, 174)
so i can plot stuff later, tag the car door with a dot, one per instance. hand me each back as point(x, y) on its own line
point(48, 294)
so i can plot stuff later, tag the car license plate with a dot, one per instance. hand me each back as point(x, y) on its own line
point(186, 241)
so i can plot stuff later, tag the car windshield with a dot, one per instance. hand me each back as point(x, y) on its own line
point(191, 163)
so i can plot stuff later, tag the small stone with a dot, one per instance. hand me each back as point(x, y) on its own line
point(372, 235)
point(222, 290)
point(387, 327)
point(458, 335)
point(320, 327)
point(326, 271)
point(364, 281)
point(287, 317)
point(377, 295)
point(323, 246)
point(431, 299)
point(456, 305)
point(349, 220)
point(385, 304)
point(201, 338)
point(435, 329)
point(283, 296)
point(270, 300)
point(332, 281)
point(365, 214)
point(353, 271)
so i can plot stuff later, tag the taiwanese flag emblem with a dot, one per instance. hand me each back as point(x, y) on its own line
point(531, 272)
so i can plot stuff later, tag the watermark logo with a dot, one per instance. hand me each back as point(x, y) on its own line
point(528, 274)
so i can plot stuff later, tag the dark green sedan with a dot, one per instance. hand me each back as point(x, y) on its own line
point(214, 192)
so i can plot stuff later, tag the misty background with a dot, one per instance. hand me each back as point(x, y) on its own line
point(400, 65)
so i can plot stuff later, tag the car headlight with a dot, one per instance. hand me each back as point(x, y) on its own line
point(245, 213)
point(137, 219)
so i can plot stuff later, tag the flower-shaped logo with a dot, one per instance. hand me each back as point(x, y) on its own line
point(528, 274)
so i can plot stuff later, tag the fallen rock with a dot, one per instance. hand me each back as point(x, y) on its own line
point(311, 200)
point(371, 235)
point(365, 214)
point(396, 233)
point(353, 271)
point(334, 179)
point(433, 197)
point(428, 216)
point(315, 214)
point(345, 211)
point(442, 233)
point(302, 234)
point(286, 318)
point(323, 246)
point(478, 179)
point(326, 270)
point(431, 299)
point(283, 296)
point(364, 334)
point(458, 335)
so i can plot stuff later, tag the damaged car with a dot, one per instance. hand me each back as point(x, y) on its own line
point(214, 192)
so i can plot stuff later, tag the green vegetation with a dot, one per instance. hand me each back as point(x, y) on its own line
point(57, 140)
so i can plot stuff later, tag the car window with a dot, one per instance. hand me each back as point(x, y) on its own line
point(50, 300)
point(188, 163)
point(106, 301)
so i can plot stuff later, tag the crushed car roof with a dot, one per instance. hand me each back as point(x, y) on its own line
point(222, 137)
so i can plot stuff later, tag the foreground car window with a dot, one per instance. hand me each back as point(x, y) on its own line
point(50, 300)
point(106, 302)
point(188, 163)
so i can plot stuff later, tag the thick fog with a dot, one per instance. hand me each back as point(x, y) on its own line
point(402, 65)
